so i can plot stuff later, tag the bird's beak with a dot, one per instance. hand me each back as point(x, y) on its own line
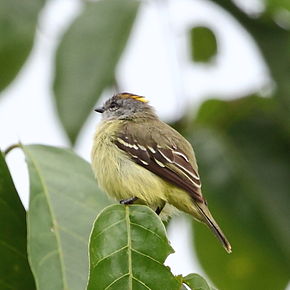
point(99, 110)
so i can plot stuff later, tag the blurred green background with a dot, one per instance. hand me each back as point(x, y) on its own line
point(242, 145)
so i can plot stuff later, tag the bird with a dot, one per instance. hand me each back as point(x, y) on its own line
point(137, 158)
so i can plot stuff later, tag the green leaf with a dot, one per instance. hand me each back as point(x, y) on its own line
point(275, 6)
point(87, 58)
point(243, 152)
point(274, 44)
point(15, 272)
point(203, 44)
point(279, 63)
point(128, 247)
point(196, 282)
point(64, 201)
point(18, 20)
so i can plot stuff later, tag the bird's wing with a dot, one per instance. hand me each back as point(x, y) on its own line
point(167, 161)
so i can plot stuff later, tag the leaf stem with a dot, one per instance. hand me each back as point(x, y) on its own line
point(10, 148)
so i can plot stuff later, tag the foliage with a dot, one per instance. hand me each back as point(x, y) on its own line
point(130, 243)
point(204, 45)
point(18, 20)
point(137, 255)
point(87, 57)
point(14, 269)
point(242, 147)
point(64, 200)
point(245, 191)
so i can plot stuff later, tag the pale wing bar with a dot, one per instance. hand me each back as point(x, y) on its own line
point(181, 161)
point(154, 158)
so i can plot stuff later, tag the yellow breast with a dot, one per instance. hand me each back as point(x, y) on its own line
point(117, 174)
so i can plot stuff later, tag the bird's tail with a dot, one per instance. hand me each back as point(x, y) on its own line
point(212, 224)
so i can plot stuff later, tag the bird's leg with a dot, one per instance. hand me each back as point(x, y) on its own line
point(160, 208)
point(129, 200)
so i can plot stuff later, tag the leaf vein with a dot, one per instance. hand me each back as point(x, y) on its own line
point(142, 283)
point(111, 254)
point(140, 226)
point(79, 203)
point(149, 257)
point(108, 227)
point(112, 283)
point(73, 234)
point(13, 249)
point(129, 248)
point(47, 256)
point(58, 242)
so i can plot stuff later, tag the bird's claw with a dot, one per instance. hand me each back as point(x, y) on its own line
point(129, 200)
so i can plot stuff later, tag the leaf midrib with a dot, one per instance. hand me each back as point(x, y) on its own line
point(129, 244)
point(129, 251)
point(55, 224)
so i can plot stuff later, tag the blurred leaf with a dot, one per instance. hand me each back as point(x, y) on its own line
point(276, 5)
point(128, 247)
point(204, 44)
point(87, 57)
point(64, 201)
point(274, 43)
point(18, 20)
point(243, 152)
point(196, 282)
point(15, 271)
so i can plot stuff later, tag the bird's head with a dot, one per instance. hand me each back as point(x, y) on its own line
point(126, 106)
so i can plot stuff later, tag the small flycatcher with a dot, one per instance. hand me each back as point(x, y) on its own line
point(138, 158)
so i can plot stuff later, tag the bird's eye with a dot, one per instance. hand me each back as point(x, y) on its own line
point(114, 106)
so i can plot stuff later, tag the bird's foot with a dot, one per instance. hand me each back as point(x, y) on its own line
point(129, 200)
point(159, 209)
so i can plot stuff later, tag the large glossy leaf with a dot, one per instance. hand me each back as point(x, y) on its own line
point(243, 152)
point(15, 271)
point(18, 21)
point(87, 57)
point(128, 247)
point(64, 201)
point(204, 44)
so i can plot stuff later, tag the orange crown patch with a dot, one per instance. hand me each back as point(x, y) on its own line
point(134, 97)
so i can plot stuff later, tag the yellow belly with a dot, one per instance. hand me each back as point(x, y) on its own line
point(119, 176)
